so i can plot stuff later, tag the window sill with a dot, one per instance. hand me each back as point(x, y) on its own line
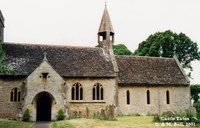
point(79, 101)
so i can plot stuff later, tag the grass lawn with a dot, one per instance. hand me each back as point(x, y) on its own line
point(121, 122)
point(14, 124)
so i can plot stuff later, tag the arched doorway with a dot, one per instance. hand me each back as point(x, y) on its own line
point(44, 105)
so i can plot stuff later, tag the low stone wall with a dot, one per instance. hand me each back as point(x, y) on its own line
point(85, 109)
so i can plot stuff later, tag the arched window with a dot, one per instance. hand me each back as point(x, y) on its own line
point(93, 93)
point(102, 93)
point(73, 93)
point(81, 93)
point(97, 92)
point(167, 97)
point(15, 95)
point(127, 97)
point(77, 92)
point(148, 97)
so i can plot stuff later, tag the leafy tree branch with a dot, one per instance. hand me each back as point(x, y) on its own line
point(170, 44)
point(4, 69)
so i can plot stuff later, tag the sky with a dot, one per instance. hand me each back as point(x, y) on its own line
point(76, 22)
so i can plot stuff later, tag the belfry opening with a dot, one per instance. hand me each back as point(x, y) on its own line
point(43, 107)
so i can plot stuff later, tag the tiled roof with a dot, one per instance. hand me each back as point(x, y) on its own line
point(71, 61)
point(150, 70)
point(68, 61)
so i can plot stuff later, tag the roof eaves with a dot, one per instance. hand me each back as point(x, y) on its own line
point(182, 71)
point(152, 84)
point(111, 76)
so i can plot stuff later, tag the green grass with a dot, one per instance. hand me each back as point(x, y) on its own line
point(15, 124)
point(62, 124)
point(121, 122)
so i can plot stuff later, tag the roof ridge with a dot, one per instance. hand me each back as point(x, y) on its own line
point(144, 57)
point(50, 45)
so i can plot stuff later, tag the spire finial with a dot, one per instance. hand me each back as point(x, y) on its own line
point(105, 3)
point(45, 56)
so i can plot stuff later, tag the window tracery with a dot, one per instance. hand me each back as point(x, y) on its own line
point(15, 95)
point(77, 92)
point(97, 92)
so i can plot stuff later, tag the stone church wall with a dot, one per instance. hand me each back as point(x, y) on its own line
point(52, 84)
point(179, 99)
point(88, 106)
point(9, 109)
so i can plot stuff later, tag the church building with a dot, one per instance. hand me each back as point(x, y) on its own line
point(86, 80)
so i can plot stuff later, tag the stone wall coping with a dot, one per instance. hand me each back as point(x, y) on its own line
point(103, 102)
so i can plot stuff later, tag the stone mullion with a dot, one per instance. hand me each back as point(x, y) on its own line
point(18, 95)
point(11, 96)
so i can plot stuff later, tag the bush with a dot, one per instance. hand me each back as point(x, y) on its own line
point(60, 115)
point(156, 118)
point(96, 115)
point(137, 114)
point(197, 106)
point(26, 115)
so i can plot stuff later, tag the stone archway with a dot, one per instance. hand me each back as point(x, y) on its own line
point(43, 107)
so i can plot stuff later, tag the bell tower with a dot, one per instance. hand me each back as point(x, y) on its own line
point(106, 32)
point(1, 27)
point(106, 37)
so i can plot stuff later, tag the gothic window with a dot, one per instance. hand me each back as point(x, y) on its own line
point(97, 92)
point(81, 93)
point(15, 95)
point(128, 97)
point(167, 97)
point(93, 93)
point(102, 93)
point(73, 93)
point(77, 92)
point(148, 97)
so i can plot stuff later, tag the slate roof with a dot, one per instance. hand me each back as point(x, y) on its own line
point(150, 70)
point(68, 61)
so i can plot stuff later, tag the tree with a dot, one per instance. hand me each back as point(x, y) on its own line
point(3, 64)
point(120, 49)
point(197, 106)
point(170, 44)
point(195, 90)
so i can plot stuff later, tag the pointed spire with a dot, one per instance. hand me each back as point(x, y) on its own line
point(106, 32)
point(105, 24)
